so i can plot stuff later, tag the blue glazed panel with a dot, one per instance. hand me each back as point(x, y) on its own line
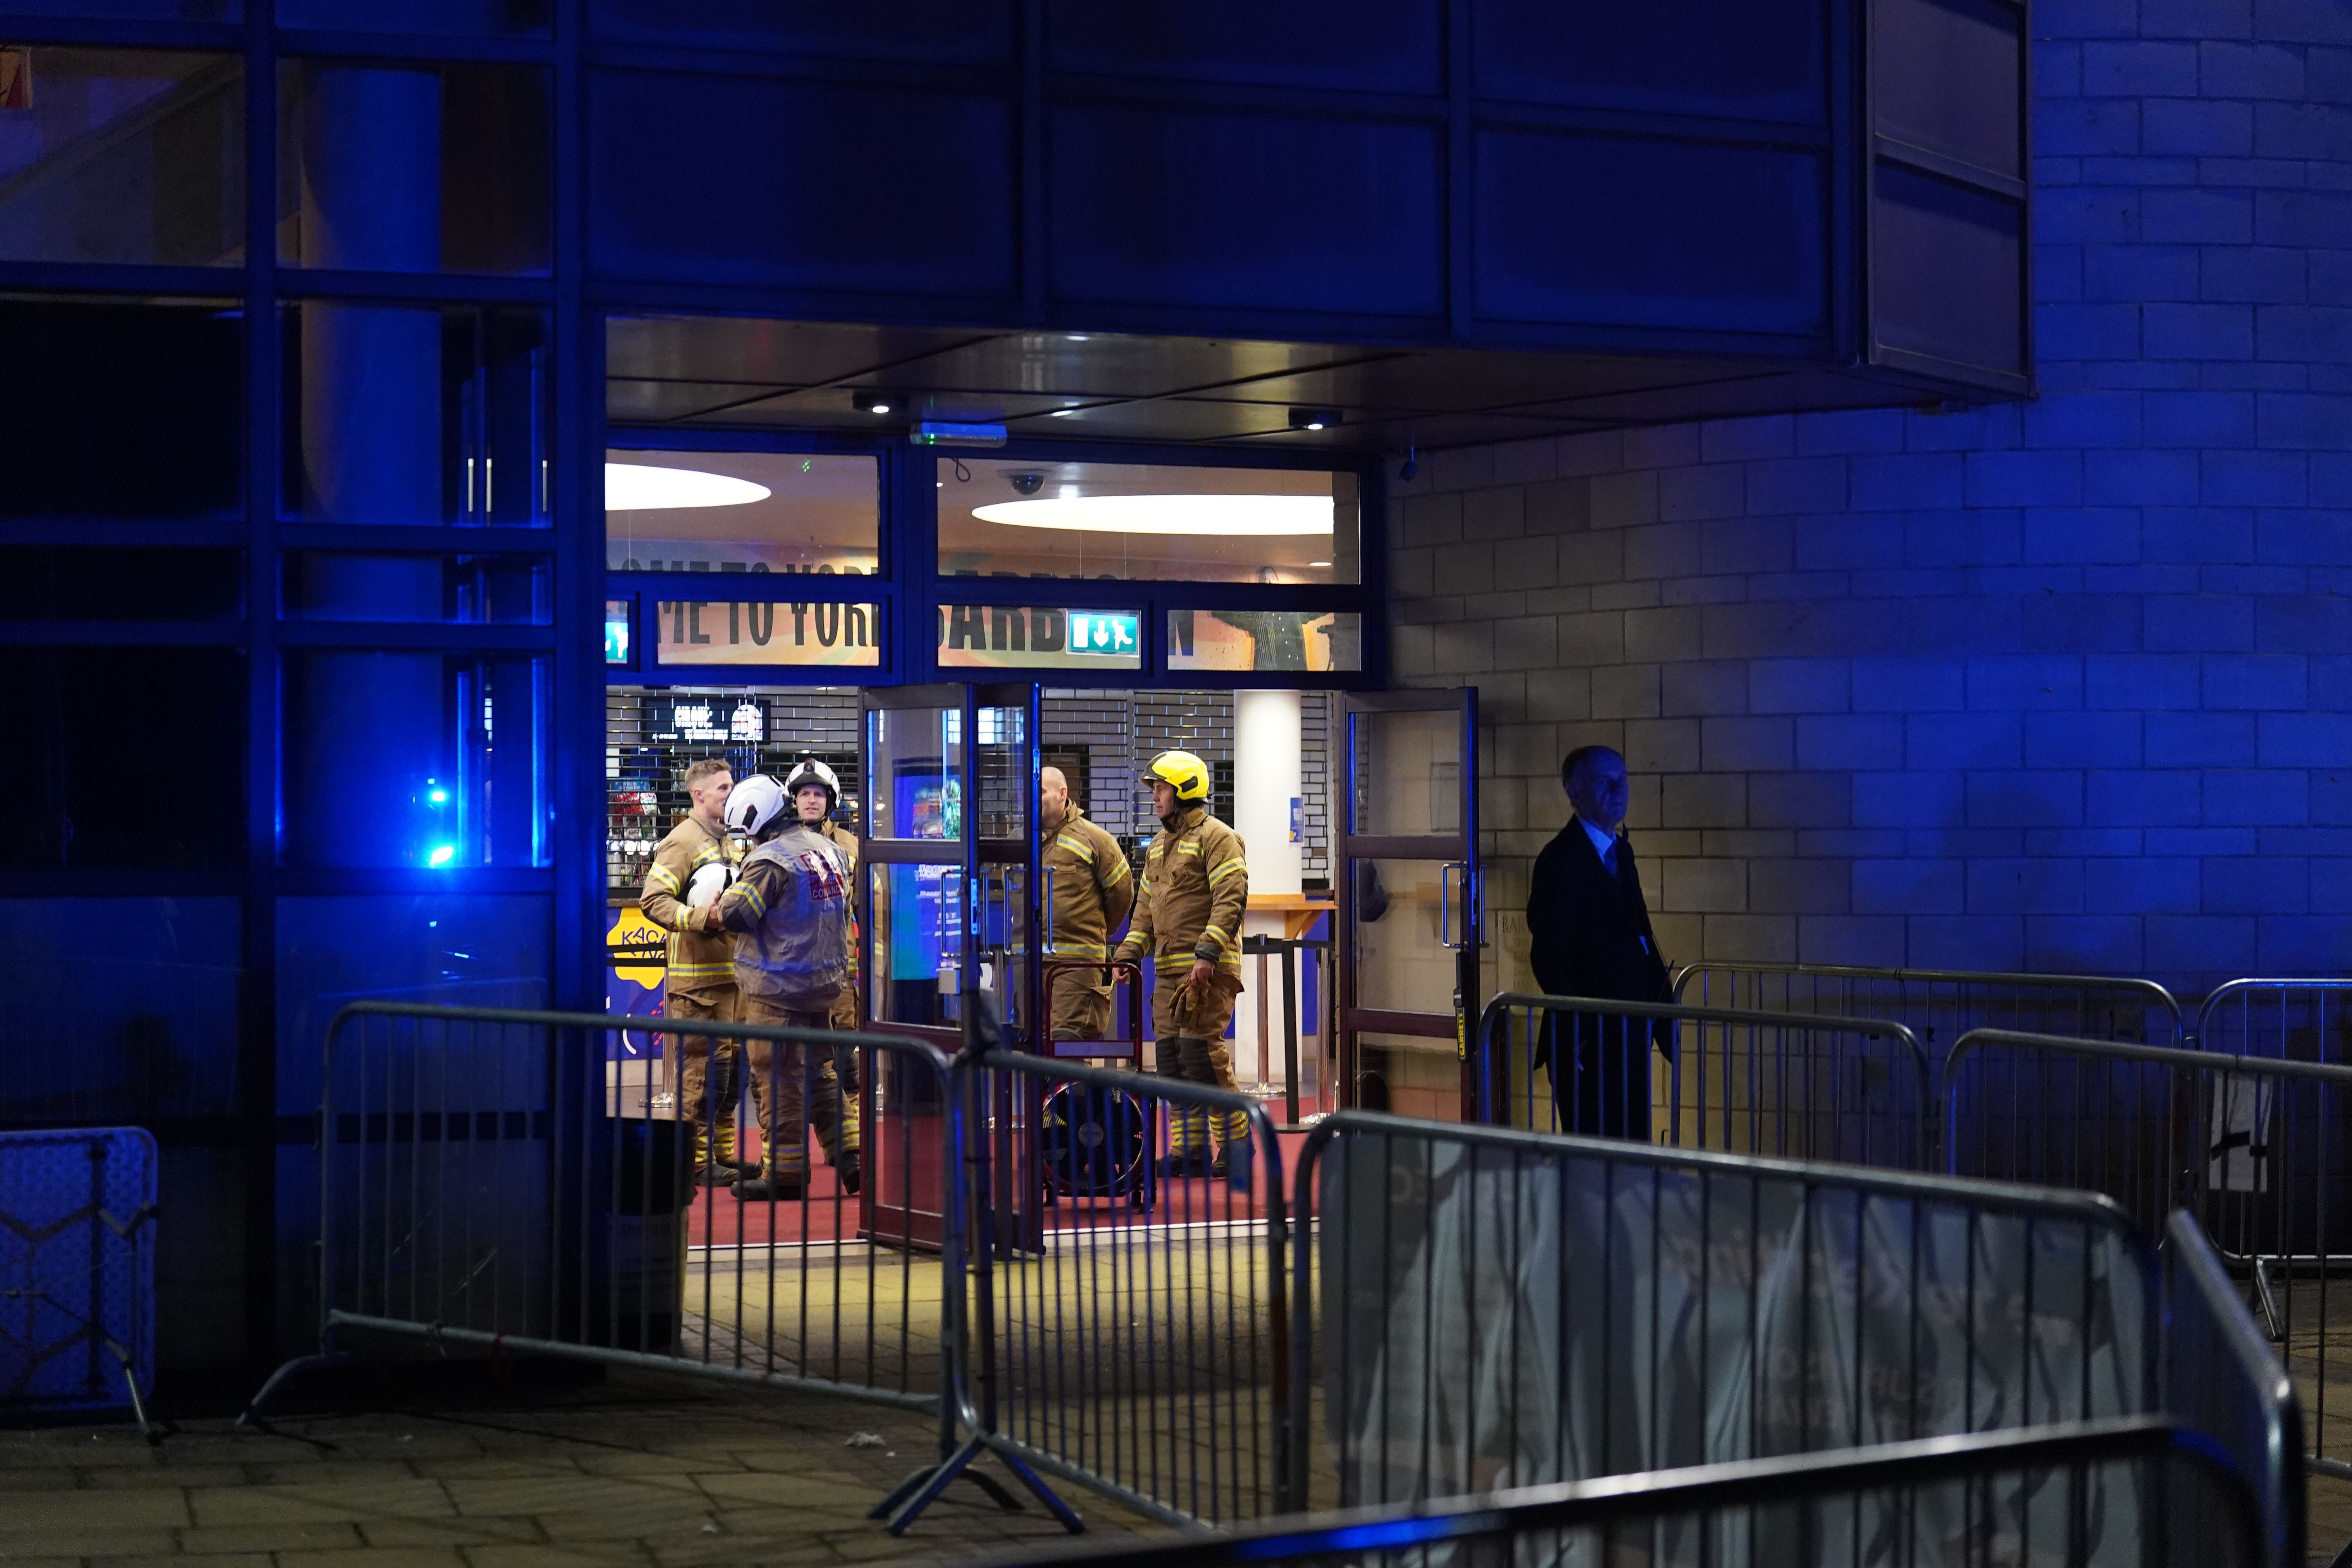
point(714, 179)
point(1377, 46)
point(1945, 76)
point(486, 949)
point(942, 32)
point(1242, 211)
point(1634, 233)
point(147, 1030)
point(1733, 59)
point(1947, 264)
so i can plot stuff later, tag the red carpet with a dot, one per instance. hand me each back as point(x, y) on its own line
point(719, 1218)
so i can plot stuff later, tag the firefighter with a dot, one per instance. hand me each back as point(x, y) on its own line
point(1088, 890)
point(789, 909)
point(802, 784)
point(691, 867)
point(1188, 918)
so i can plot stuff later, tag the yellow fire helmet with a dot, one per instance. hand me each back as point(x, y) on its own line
point(1186, 772)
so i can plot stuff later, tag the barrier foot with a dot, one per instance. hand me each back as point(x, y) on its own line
point(900, 1492)
point(249, 1419)
point(923, 1487)
point(148, 1429)
point(1045, 1494)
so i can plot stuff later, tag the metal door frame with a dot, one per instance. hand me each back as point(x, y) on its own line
point(1028, 695)
point(1458, 852)
point(877, 850)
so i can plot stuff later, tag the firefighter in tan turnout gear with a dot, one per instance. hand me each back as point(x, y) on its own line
point(1188, 918)
point(1088, 891)
point(789, 909)
point(690, 867)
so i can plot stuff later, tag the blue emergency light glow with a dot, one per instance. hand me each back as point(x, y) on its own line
point(442, 855)
point(942, 433)
point(1349, 1537)
point(439, 798)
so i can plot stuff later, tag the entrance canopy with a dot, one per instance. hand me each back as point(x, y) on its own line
point(716, 373)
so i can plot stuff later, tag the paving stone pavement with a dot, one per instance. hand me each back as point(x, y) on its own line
point(635, 1471)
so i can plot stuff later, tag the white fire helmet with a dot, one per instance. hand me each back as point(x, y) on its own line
point(811, 771)
point(755, 803)
point(708, 885)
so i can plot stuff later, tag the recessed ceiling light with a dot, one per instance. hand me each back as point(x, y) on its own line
point(641, 487)
point(1319, 563)
point(1228, 516)
point(1313, 418)
point(1077, 337)
point(870, 402)
point(1063, 413)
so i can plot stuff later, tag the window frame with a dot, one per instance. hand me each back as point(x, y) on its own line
point(911, 589)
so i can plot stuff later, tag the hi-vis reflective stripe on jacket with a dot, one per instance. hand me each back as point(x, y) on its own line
point(701, 964)
point(1088, 886)
point(1195, 887)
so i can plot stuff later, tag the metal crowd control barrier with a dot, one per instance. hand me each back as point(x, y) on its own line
point(2223, 1380)
point(490, 1177)
point(1940, 1005)
point(77, 1271)
point(1793, 1085)
point(1130, 1329)
point(1501, 1307)
point(2047, 1495)
point(2256, 1149)
point(2293, 1020)
point(1288, 953)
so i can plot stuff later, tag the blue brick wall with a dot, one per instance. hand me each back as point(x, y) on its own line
point(2063, 685)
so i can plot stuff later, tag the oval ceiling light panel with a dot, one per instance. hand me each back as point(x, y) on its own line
point(639, 486)
point(1225, 516)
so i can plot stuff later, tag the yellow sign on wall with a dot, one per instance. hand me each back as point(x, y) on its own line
point(634, 940)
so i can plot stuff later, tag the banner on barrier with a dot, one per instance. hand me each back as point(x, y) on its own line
point(1494, 1320)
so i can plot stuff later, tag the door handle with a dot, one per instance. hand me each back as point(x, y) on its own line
point(1472, 905)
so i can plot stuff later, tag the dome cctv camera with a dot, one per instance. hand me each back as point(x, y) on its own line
point(1027, 484)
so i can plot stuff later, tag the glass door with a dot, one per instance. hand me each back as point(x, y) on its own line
point(1005, 762)
point(916, 876)
point(1008, 937)
point(1410, 903)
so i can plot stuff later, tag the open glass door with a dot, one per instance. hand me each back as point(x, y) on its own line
point(1005, 760)
point(1005, 757)
point(917, 874)
point(1410, 915)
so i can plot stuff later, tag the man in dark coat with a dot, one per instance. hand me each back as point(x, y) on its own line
point(1590, 936)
